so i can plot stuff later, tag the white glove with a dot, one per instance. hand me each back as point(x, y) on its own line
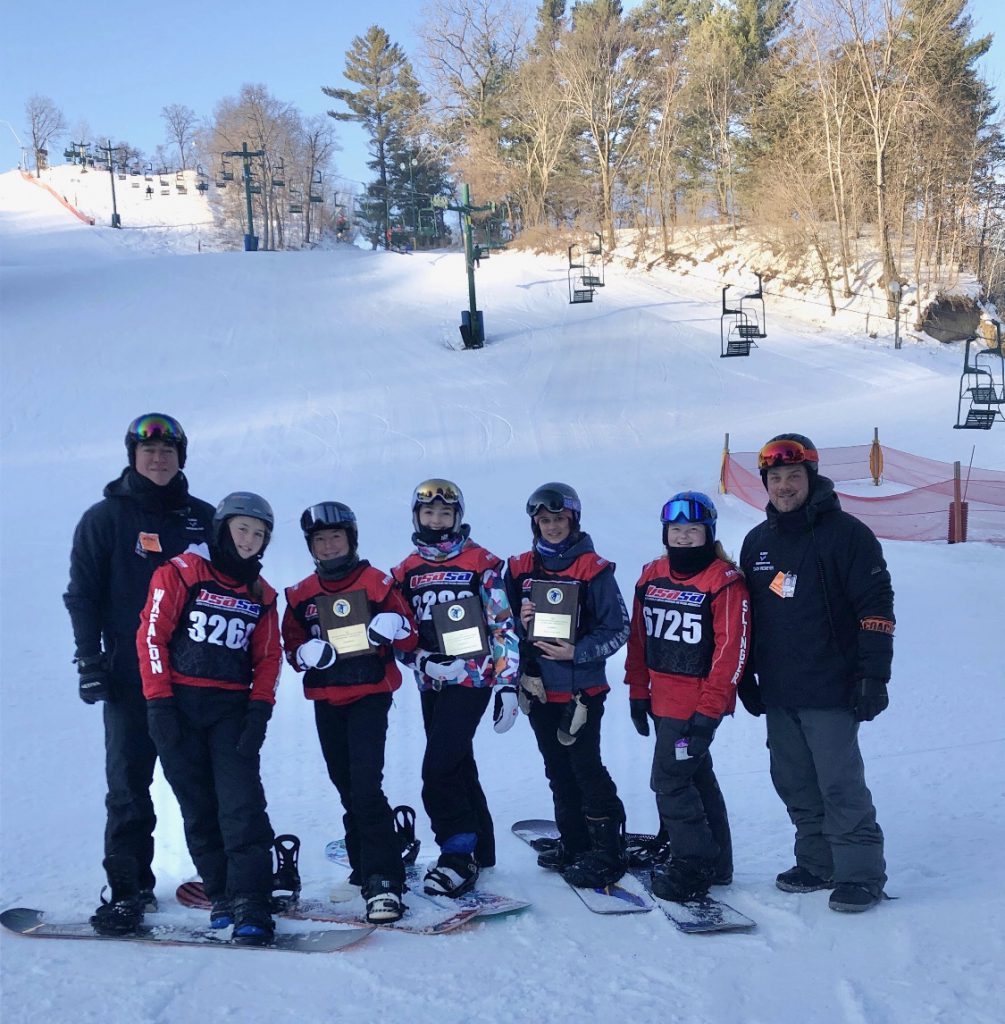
point(315, 654)
point(442, 668)
point(531, 689)
point(386, 627)
point(506, 708)
point(573, 719)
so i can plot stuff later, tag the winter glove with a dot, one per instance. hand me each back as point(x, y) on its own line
point(95, 683)
point(574, 716)
point(315, 654)
point(699, 732)
point(505, 710)
point(749, 693)
point(164, 722)
point(640, 709)
point(531, 689)
point(442, 668)
point(869, 699)
point(255, 721)
point(386, 627)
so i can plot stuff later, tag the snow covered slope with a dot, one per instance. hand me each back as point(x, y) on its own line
point(337, 375)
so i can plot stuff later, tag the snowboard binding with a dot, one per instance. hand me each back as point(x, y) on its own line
point(286, 879)
point(404, 829)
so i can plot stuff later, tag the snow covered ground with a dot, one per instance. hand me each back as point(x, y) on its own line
point(337, 375)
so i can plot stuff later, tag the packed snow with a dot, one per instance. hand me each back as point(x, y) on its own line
point(339, 375)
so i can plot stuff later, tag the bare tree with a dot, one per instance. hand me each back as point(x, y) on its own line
point(182, 124)
point(45, 123)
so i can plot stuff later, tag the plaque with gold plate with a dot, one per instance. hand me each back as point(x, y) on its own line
point(460, 628)
point(556, 610)
point(343, 619)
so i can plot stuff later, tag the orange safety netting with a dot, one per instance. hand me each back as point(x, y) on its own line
point(920, 513)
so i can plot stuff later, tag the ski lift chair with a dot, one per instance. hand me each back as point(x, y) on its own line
point(579, 290)
point(982, 385)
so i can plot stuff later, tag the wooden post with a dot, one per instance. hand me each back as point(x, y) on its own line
point(876, 458)
point(722, 466)
point(957, 513)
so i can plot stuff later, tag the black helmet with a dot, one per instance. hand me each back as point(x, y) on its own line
point(156, 426)
point(554, 497)
point(328, 515)
point(243, 503)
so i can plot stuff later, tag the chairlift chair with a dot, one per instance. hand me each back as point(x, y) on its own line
point(148, 172)
point(982, 385)
point(226, 174)
point(579, 289)
point(594, 263)
point(315, 195)
point(296, 199)
point(740, 326)
point(179, 183)
point(279, 175)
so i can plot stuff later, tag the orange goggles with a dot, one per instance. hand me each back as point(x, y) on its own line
point(785, 453)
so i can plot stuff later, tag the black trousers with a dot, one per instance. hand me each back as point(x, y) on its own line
point(451, 793)
point(220, 794)
point(129, 771)
point(352, 741)
point(690, 802)
point(580, 784)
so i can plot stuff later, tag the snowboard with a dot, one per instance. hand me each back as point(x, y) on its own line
point(627, 896)
point(33, 923)
point(484, 904)
point(421, 917)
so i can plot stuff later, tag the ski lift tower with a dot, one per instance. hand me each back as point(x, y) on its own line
point(250, 239)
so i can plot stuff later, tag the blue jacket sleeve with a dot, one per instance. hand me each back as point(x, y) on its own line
point(611, 617)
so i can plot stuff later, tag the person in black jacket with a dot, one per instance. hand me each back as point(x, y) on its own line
point(145, 518)
point(822, 605)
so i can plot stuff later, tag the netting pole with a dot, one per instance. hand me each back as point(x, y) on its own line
point(722, 466)
point(957, 511)
point(876, 458)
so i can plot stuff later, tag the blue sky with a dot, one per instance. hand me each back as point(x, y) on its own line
point(115, 67)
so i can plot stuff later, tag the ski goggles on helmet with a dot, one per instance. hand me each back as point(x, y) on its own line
point(437, 490)
point(681, 509)
point(155, 426)
point(546, 500)
point(785, 453)
point(327, 515)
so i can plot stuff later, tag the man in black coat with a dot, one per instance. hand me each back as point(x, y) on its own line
point(145, 518)
point(822, 605)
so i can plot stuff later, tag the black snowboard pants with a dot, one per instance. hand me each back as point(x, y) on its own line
point(580, 784)
point(352, 741)
point(220, 794)
point(451, 793)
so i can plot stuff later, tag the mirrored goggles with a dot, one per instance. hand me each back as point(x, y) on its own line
point(686, 510)
point(785, 453)
point(326, 514)
point(433, 490)
point(156, 427)
point(551, 501)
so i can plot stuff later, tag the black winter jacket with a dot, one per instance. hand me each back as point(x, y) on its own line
point(837, 627)
point(117, 545)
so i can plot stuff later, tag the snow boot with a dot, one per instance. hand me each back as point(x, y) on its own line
point(221, 914)
point(404, 829)
point(149, 901)
point(122, 912)
point(383, 900)
point(286, 879)
point(605, 862)
point(253, 924)
point(680, 879)
point(798, 879)
point(452, 875)
point(853, 898)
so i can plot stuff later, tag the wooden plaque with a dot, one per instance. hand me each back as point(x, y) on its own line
point(343, 619)
point(460, 628)
point(556, 610)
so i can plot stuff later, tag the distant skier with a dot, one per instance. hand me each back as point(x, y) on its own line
point(564, 685)
point(823, 646)
point(449, 569)
point(210, 654)
point(352, 693)
point(688, 646)
point(146, 517)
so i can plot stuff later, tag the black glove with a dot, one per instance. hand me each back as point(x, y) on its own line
point(749, 693)
point(869, 699)
point(256, 720)
point(640, 709)
point(699, 732)
point(95, 682)
point(164, 722)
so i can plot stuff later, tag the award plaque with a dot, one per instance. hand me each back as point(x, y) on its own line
point(460, 628)
point(343, 619)
point(556, 610)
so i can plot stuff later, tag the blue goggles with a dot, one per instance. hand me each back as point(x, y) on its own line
point(687, 510)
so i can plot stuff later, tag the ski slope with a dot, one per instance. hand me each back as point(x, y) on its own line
point(338, 375)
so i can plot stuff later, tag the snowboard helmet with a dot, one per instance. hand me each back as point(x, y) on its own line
point(554, 497)
point(433, 490)
point(690, 507)
point(156, 426)
point(242, 503)
point(330, 515)
point(789, 450)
